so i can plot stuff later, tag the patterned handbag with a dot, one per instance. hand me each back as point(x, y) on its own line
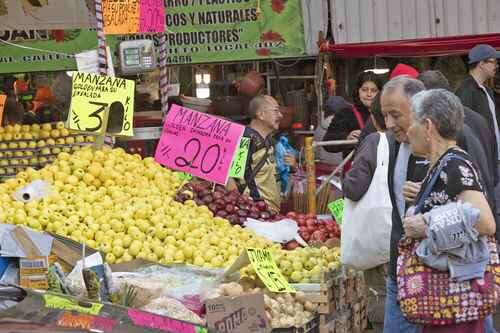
point(429, 296)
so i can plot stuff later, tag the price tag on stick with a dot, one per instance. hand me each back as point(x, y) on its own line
point(264, 265)
point(337, 209)
point(199, 144)
point(240, 159)
point(93, 95)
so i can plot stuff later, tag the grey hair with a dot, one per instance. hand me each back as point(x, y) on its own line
point(443, 108)
point(407, 85)
point(434, 80)
point(255, 104)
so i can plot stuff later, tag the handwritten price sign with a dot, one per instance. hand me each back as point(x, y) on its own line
point(133, 16)
point(240, 159)
point(93, 95)
point(199, 144)
point(264, 265)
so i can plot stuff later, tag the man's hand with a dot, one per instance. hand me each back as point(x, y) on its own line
point(290, 161)
point(415, 226)
point(410, 191)
point(354, 135)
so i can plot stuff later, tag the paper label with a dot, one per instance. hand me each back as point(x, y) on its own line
point(149, 320)
point(56, 302)
point(93, 95)
point(121, 17)
point(184, 176)
point(199, 144)
point(240, 159)
point(85, 322)
point(337, 209)
point(152, 17)
point(264, 265)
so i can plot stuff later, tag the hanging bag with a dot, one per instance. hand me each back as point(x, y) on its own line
point(360, 249)
point(429, 296)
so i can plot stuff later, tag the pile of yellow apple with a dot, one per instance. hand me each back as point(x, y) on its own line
point(22, 146)
point(124, 206)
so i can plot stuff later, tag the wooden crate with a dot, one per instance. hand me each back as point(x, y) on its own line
point(311, 327)
point(321, 294)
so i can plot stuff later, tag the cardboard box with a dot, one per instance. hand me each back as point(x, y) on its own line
point(242, 314)
point(33, 273)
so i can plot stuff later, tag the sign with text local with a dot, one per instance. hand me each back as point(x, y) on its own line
point(198, 143)
point(93, 95)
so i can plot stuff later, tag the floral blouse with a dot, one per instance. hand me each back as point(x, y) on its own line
point(456, 176)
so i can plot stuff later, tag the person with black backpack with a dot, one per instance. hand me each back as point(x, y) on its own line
point(261, 176)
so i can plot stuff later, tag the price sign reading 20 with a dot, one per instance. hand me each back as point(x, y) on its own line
point(197, 143)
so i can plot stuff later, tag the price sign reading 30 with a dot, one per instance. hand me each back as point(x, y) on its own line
point(92, 95)
point(198, 143)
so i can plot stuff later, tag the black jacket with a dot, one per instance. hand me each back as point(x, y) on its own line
point(486, 136)
point(416, 173)
point(474, 97)
point(469, 142)
point(343, 123)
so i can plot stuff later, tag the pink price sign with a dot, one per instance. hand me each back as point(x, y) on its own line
point(152, 16)
point(198, 143)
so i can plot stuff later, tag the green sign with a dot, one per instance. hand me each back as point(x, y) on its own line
point(337, 209)
point(26, 57)
point(240, 159)
point(217, 31)
point(199, 31)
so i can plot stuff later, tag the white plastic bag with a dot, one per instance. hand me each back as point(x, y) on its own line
point(281, 231)
point(366, 227)
point(36, 190)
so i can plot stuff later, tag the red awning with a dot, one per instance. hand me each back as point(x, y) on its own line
point(412, 47)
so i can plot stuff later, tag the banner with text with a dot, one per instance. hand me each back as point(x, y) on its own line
point(200, 31)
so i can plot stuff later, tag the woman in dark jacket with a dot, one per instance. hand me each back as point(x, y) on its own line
point(348, 122)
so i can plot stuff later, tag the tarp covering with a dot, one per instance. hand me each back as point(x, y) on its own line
point(412, 47)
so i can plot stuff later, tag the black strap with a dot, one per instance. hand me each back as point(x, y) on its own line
point(254, 190)
point(423, 195)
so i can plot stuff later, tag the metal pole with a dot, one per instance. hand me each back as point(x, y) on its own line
point(334, 143)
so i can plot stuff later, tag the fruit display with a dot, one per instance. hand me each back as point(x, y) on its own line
point(231, 205)
point(312, 229)
point(282, 310)
point(123, 205)
point(23, 146)
point(307, 264)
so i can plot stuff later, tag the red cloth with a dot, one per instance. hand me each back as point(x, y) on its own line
point(472, 327)
point(412, 47)
point(402, 69)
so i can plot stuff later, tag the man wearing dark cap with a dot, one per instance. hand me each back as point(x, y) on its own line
point(483, 64)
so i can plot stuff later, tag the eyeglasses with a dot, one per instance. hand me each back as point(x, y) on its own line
point(367, 90)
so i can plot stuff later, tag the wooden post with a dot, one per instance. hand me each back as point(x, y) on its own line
point(311, 175)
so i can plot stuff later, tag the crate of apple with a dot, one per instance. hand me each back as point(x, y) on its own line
point(231, 205)
point(312, 229)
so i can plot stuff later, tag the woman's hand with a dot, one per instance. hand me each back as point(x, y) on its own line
point(415, 226)
point(410, 191)
point(290, 161)
point(354, 135)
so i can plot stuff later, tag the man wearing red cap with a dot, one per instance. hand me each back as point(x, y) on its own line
point(402, 69)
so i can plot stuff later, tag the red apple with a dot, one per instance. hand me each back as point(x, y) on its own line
point(291, 245)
